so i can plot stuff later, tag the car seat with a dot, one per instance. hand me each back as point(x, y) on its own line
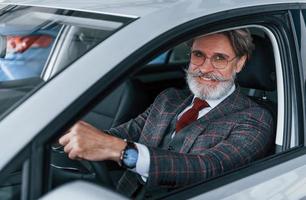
point(124, 103)
point(258, 78)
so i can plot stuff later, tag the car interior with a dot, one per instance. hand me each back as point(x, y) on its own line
point(257, 80)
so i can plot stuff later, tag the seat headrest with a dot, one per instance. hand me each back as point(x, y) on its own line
point(259, 71)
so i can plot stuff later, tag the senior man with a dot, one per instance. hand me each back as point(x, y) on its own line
point(184, 136)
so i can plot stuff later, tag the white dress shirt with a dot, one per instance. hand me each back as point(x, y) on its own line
point(143, 161)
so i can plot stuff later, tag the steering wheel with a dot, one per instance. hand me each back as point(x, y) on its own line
point(68, 169)
point(102, 173)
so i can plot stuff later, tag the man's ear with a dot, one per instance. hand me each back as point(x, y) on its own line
point(240, 63)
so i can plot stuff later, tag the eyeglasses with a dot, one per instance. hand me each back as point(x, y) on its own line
point(218, 61)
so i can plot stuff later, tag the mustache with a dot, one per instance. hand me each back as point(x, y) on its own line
point(208, 75)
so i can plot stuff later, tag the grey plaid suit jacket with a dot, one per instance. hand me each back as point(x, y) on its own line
point(232, 134)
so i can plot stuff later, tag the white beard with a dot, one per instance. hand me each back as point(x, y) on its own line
point(208, 92)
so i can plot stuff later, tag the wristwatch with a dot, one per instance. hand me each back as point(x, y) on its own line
point(129, 155)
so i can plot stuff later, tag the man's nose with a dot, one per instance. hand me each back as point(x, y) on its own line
point(206, 66)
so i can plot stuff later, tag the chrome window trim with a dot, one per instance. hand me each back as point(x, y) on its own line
point(280, 88)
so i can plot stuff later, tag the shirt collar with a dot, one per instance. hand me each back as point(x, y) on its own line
point(214, 103)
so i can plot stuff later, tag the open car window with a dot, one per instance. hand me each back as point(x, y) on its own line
point(165, 70)
point(38, 43)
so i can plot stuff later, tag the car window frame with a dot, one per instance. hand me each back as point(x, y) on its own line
point(230, 25)
point(299, 22)
point(260, 162)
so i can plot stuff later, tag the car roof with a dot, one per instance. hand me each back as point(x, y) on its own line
point(140, 8)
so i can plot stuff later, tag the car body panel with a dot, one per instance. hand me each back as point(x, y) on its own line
point(75, 190)
point(142, 8)
point(284, 181)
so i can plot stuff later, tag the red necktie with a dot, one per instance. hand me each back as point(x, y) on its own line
point(191, 114)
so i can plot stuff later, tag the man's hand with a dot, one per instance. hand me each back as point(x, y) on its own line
point(84, 141)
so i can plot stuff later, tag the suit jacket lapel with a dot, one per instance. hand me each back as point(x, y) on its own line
point(175, 107)
point(199, 126)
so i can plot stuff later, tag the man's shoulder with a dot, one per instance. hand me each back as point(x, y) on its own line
point(239, 97)
point(174, 93)
point(252, 104)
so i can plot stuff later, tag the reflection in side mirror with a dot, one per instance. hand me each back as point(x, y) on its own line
point(2, 46)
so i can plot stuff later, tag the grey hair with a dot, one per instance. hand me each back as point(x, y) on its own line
point(241, 41)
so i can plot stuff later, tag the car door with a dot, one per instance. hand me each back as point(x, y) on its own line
point(86, 88)
point(287, 162)
point(276, 24)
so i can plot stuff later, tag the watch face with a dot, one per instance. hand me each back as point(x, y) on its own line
point(130, 158)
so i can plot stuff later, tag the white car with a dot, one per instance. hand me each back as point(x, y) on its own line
point(108, 59)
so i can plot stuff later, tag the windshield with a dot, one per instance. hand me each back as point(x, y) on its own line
point(38, 43)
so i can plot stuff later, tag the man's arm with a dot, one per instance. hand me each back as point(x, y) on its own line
point(83, 141)
point(132, 129)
